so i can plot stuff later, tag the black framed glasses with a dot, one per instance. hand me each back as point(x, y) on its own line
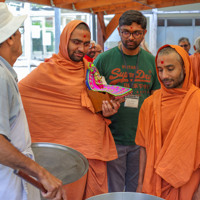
point(185, 45)
point(21, 29)
point(92, 46)
point(99, 51)
point(135, 34)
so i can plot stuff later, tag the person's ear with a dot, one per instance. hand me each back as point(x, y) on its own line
point(10, 40)
point(194, 47)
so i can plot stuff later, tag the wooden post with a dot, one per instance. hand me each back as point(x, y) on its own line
point(101, 30)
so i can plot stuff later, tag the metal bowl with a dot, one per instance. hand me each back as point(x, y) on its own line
point(63, 162)
point(124, 196)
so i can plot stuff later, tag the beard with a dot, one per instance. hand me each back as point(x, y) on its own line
point(176, 83)
point(134, 44)
point(91, 54)
point(75, 58)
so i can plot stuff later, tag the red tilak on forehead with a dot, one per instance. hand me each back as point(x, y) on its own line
point(84, 36)
point(162, 62)
point(131, 27)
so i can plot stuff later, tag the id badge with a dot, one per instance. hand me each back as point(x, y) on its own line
point(131, 101)
point(103, 80)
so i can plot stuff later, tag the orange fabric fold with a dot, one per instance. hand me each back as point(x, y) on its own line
point(173, 164)
point(97, 176)
point(91, 184)
point(58, 108)
point(195, 61)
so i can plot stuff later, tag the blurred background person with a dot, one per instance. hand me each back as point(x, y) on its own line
point(144, 45)
point(185, 43)
point(91, 52)
point(195, 61)
point(99, 50)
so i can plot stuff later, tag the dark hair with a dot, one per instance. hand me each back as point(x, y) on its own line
point(131, 16)
point(167, 50)
point(183, 39)
point(83, 26)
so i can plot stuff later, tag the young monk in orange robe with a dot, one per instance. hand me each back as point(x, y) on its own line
point(59, 110)
point(169, 131)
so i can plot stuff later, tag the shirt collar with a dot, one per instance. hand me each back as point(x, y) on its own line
point(10, 68)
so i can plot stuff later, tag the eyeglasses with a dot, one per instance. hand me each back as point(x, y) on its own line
point(100, 51)
point(185, 45)
point(92, 46)
point(135, 34)
point(21, 29)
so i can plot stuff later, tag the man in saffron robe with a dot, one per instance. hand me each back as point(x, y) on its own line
point(195, 61)
point(169, 131)
point(59, 110)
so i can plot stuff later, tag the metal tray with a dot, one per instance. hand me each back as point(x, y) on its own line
point(124, 196)
point(63, 162)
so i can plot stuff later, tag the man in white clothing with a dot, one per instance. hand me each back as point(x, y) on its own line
point(15, 142)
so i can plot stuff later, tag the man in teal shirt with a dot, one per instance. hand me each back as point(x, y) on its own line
point(128, 65)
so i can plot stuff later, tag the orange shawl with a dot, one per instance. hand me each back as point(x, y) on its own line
point(195, 61)
point(172, 165)
point(58, 108)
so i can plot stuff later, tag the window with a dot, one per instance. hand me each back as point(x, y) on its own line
point(197, 22)
point(179, 22)
point(161, 22)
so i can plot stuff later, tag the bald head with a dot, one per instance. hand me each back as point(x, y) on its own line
point(197, 45)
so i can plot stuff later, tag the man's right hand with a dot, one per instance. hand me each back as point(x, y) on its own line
point(12, 157)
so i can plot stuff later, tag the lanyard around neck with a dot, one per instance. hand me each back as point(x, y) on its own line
point(137, 62)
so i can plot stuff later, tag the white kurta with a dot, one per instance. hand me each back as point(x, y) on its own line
point(13, 187)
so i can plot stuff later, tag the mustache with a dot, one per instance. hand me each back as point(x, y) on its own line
point(79, 52)
point(166, 79)
point(131, 40)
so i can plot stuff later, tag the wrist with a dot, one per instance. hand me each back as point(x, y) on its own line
point(140, 181)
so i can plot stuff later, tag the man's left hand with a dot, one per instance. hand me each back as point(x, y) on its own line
point(111, 108)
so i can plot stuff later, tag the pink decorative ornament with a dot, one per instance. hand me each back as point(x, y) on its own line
point(94, 82)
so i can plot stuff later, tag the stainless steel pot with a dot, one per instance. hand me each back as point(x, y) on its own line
point(124, 196)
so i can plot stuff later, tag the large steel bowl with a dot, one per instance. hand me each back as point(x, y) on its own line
point(63, 162)
point(124, 196)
